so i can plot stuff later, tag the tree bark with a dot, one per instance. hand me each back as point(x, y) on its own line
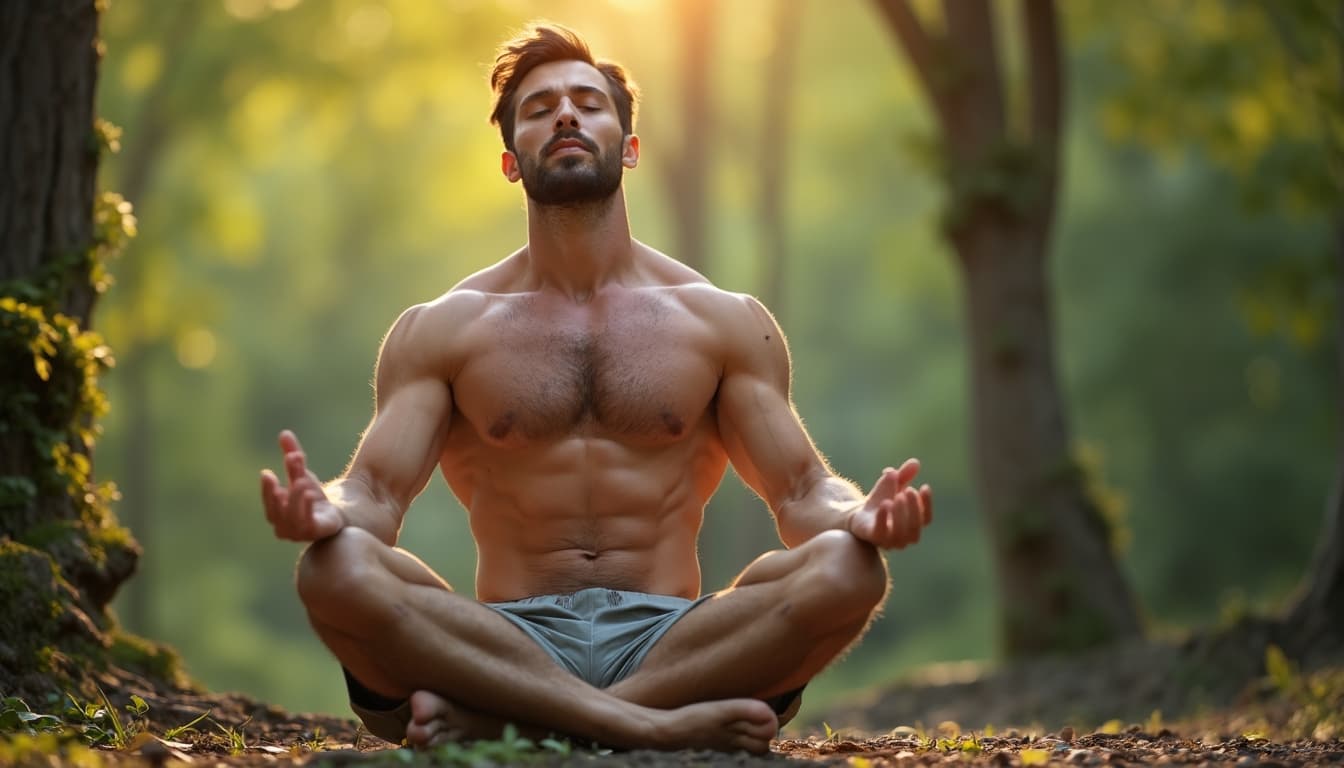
point(62, 555)
point(48, 164)
point(1059, 586)
point(1316, 619)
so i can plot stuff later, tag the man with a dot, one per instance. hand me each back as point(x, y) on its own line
point(582, 398)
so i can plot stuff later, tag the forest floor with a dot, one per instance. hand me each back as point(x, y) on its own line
point(1105, 708)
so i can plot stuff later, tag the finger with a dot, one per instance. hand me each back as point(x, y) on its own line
point(297, 509)
point(914, 517)
point(296, 466)
point(269, 484)
point(909, 517)
point(881, 523)
point(906, 474)
point(926, 496)
point(896, 536)
point(289, 441)
point(886, 486)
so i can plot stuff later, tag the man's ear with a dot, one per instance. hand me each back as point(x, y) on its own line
point(630, 151)
point(508, 163)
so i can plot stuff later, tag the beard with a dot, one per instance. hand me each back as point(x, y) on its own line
point(575, 180)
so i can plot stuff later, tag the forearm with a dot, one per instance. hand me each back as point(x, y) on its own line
point(362, 507)
point(825, 505)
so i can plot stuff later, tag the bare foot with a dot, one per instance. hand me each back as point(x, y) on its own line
point(436, 720)
point(725, 726)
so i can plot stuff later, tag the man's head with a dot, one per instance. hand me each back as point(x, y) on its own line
point(567, 120)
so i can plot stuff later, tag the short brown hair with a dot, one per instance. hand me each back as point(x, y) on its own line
point(543, 43)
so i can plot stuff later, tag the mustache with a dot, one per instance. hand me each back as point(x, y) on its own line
point(587, 143)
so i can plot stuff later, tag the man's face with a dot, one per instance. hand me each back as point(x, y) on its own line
point(568, 143)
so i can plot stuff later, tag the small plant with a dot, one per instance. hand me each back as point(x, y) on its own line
point(832, 735)
point(100, 724)
point(511, 748)
point(1318, 698)
point(16, 717)
point(315, 741)
point(235, 738)
point(171, 734)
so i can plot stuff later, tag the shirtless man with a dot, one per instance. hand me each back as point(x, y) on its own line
point(582, 398)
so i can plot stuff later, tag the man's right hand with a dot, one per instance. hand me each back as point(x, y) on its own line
point(301, 512)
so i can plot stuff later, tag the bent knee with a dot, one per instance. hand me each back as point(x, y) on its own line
point(845, 571)
point(336, 569)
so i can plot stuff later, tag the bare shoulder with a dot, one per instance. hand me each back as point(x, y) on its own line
point(748, 338)
point(706, 300)
point(450, 317)
point(432, 339)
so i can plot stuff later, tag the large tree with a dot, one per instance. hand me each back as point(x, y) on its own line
point(62, 553)
point(1259, 88)
point(1059, 585)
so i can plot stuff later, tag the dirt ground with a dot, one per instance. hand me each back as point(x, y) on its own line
point(276, 738)
point(1105, 709)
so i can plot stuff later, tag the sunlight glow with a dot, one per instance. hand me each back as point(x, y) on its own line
point(246, 10)
point(368, 26)
point(143, 65)
point(196, 348)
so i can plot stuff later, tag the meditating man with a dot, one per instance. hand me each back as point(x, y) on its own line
point(582, 398)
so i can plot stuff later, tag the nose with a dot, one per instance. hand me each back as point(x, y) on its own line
point(566, 115)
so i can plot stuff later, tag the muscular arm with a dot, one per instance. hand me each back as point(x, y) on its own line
point(772, 452)
point(398, 452)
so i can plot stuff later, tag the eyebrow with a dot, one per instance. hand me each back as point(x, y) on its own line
point(549, 93)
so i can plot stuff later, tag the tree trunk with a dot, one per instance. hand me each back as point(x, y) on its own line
point(688, 174)
point(62, 555)
point(1059, 586)
point(1316, 620)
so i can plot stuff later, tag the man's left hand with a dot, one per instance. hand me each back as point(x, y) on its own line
point(894, 513)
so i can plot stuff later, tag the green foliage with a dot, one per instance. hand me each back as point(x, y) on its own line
point(1318, 698)
point(44, 749)
point(1258, 88)
point(32, 591)
point(53, 404)
point(145, 657)
point(509, 749)
point(172, 734)
point(100, 724)
point(17, 717)
point(235, 738)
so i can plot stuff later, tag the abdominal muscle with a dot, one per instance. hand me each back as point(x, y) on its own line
point(587, 512)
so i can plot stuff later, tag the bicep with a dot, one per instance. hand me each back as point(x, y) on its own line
point(400, 448)
point(413, 403)
point(761, 431)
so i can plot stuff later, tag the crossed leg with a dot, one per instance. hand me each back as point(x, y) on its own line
point(400, 629)
point(787, 616)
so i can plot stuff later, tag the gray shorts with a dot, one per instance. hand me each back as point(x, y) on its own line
point(599, 635)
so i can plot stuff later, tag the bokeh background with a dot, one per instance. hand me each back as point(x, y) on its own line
point(303, 170)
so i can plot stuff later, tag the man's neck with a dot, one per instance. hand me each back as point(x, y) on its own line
point(577, 249)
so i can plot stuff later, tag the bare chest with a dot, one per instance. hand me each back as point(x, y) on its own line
point(643, 374)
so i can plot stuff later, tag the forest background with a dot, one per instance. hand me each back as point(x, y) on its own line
point(303, 171)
